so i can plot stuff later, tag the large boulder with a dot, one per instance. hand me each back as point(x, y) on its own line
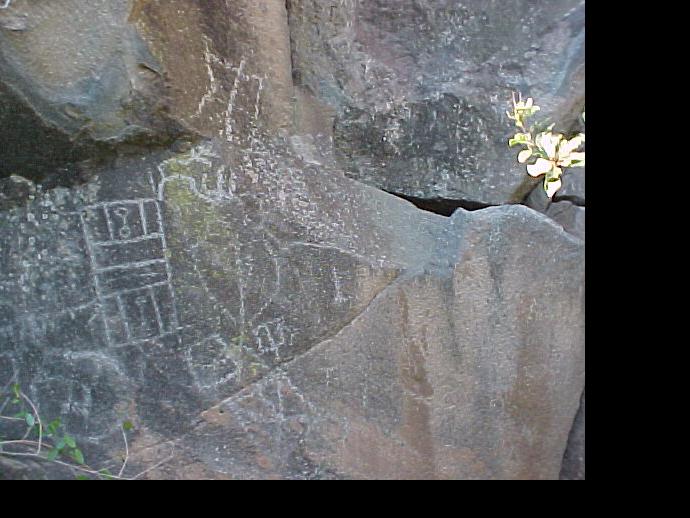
point(250, 309)
point(78, 78)
point(419, 89)
point(292, 323)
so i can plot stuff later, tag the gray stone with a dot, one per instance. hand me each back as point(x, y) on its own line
point(255, 313)
point(325, 319)
point(570, 216)
point(573, 189)
point(78, 78)
point(566, 213)
point(420, 88)
point(574, 460)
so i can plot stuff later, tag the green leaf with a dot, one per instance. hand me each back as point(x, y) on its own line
point(77, 455)
point(127, 426)
point(60, 444)
point(69, 441)
point(53, 454)
point(53, 427)
point(106, 474)
point(82, 477)
point(519, 138)
point(16, 390)
point(30, 420)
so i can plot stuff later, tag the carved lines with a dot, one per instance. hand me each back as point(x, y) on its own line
point(241, 76)
point(225, 183)
point(132, 276)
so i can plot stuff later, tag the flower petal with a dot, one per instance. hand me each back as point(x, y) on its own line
point(540, 167)
point(577, 160)
point(568, 146)
point(524, 155)
point(549, 142)
point(552, 186)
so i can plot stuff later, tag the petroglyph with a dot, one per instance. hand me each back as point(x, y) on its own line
point(196, 240)
point(237, 116)
point(202, 161)
point(272, 336)
point(131, 273)
point(211, 362)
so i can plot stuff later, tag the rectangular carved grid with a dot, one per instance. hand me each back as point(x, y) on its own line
point(132, 276)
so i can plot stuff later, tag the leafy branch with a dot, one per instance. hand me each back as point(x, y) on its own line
point(51, 444)
point(546, 153)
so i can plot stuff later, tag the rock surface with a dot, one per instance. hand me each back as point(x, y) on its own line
point(570, 215)
point(574, 460)
point(419, 88)
point(215, 277)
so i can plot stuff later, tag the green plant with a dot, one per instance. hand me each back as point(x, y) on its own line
point(545, 153)
point(50, 443)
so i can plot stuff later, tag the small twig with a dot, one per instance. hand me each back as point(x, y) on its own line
point(19, 441)
point(91, 471)
point(38, 419)
point(6, 4)
point(86, 469)
point(124, 462)
point(40, 444)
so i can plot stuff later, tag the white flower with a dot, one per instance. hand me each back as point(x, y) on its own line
point(552, 187)
point(540, 167)
point(524, 155)
point(549, 142)
point(560, 153)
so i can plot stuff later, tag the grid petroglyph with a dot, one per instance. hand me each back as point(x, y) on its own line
point(131, 273)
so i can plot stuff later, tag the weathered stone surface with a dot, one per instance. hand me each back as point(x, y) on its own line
point(391, 395)
point(78, 78)
point(420, 88)
point(566, 213)
point(327, 323)
point(257, 314)
point(574, 460)
point(573, 189)
point(570, 216)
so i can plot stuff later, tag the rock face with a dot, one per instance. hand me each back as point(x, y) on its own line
point(574, 460)
point(419, 88)
point(202, 266)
